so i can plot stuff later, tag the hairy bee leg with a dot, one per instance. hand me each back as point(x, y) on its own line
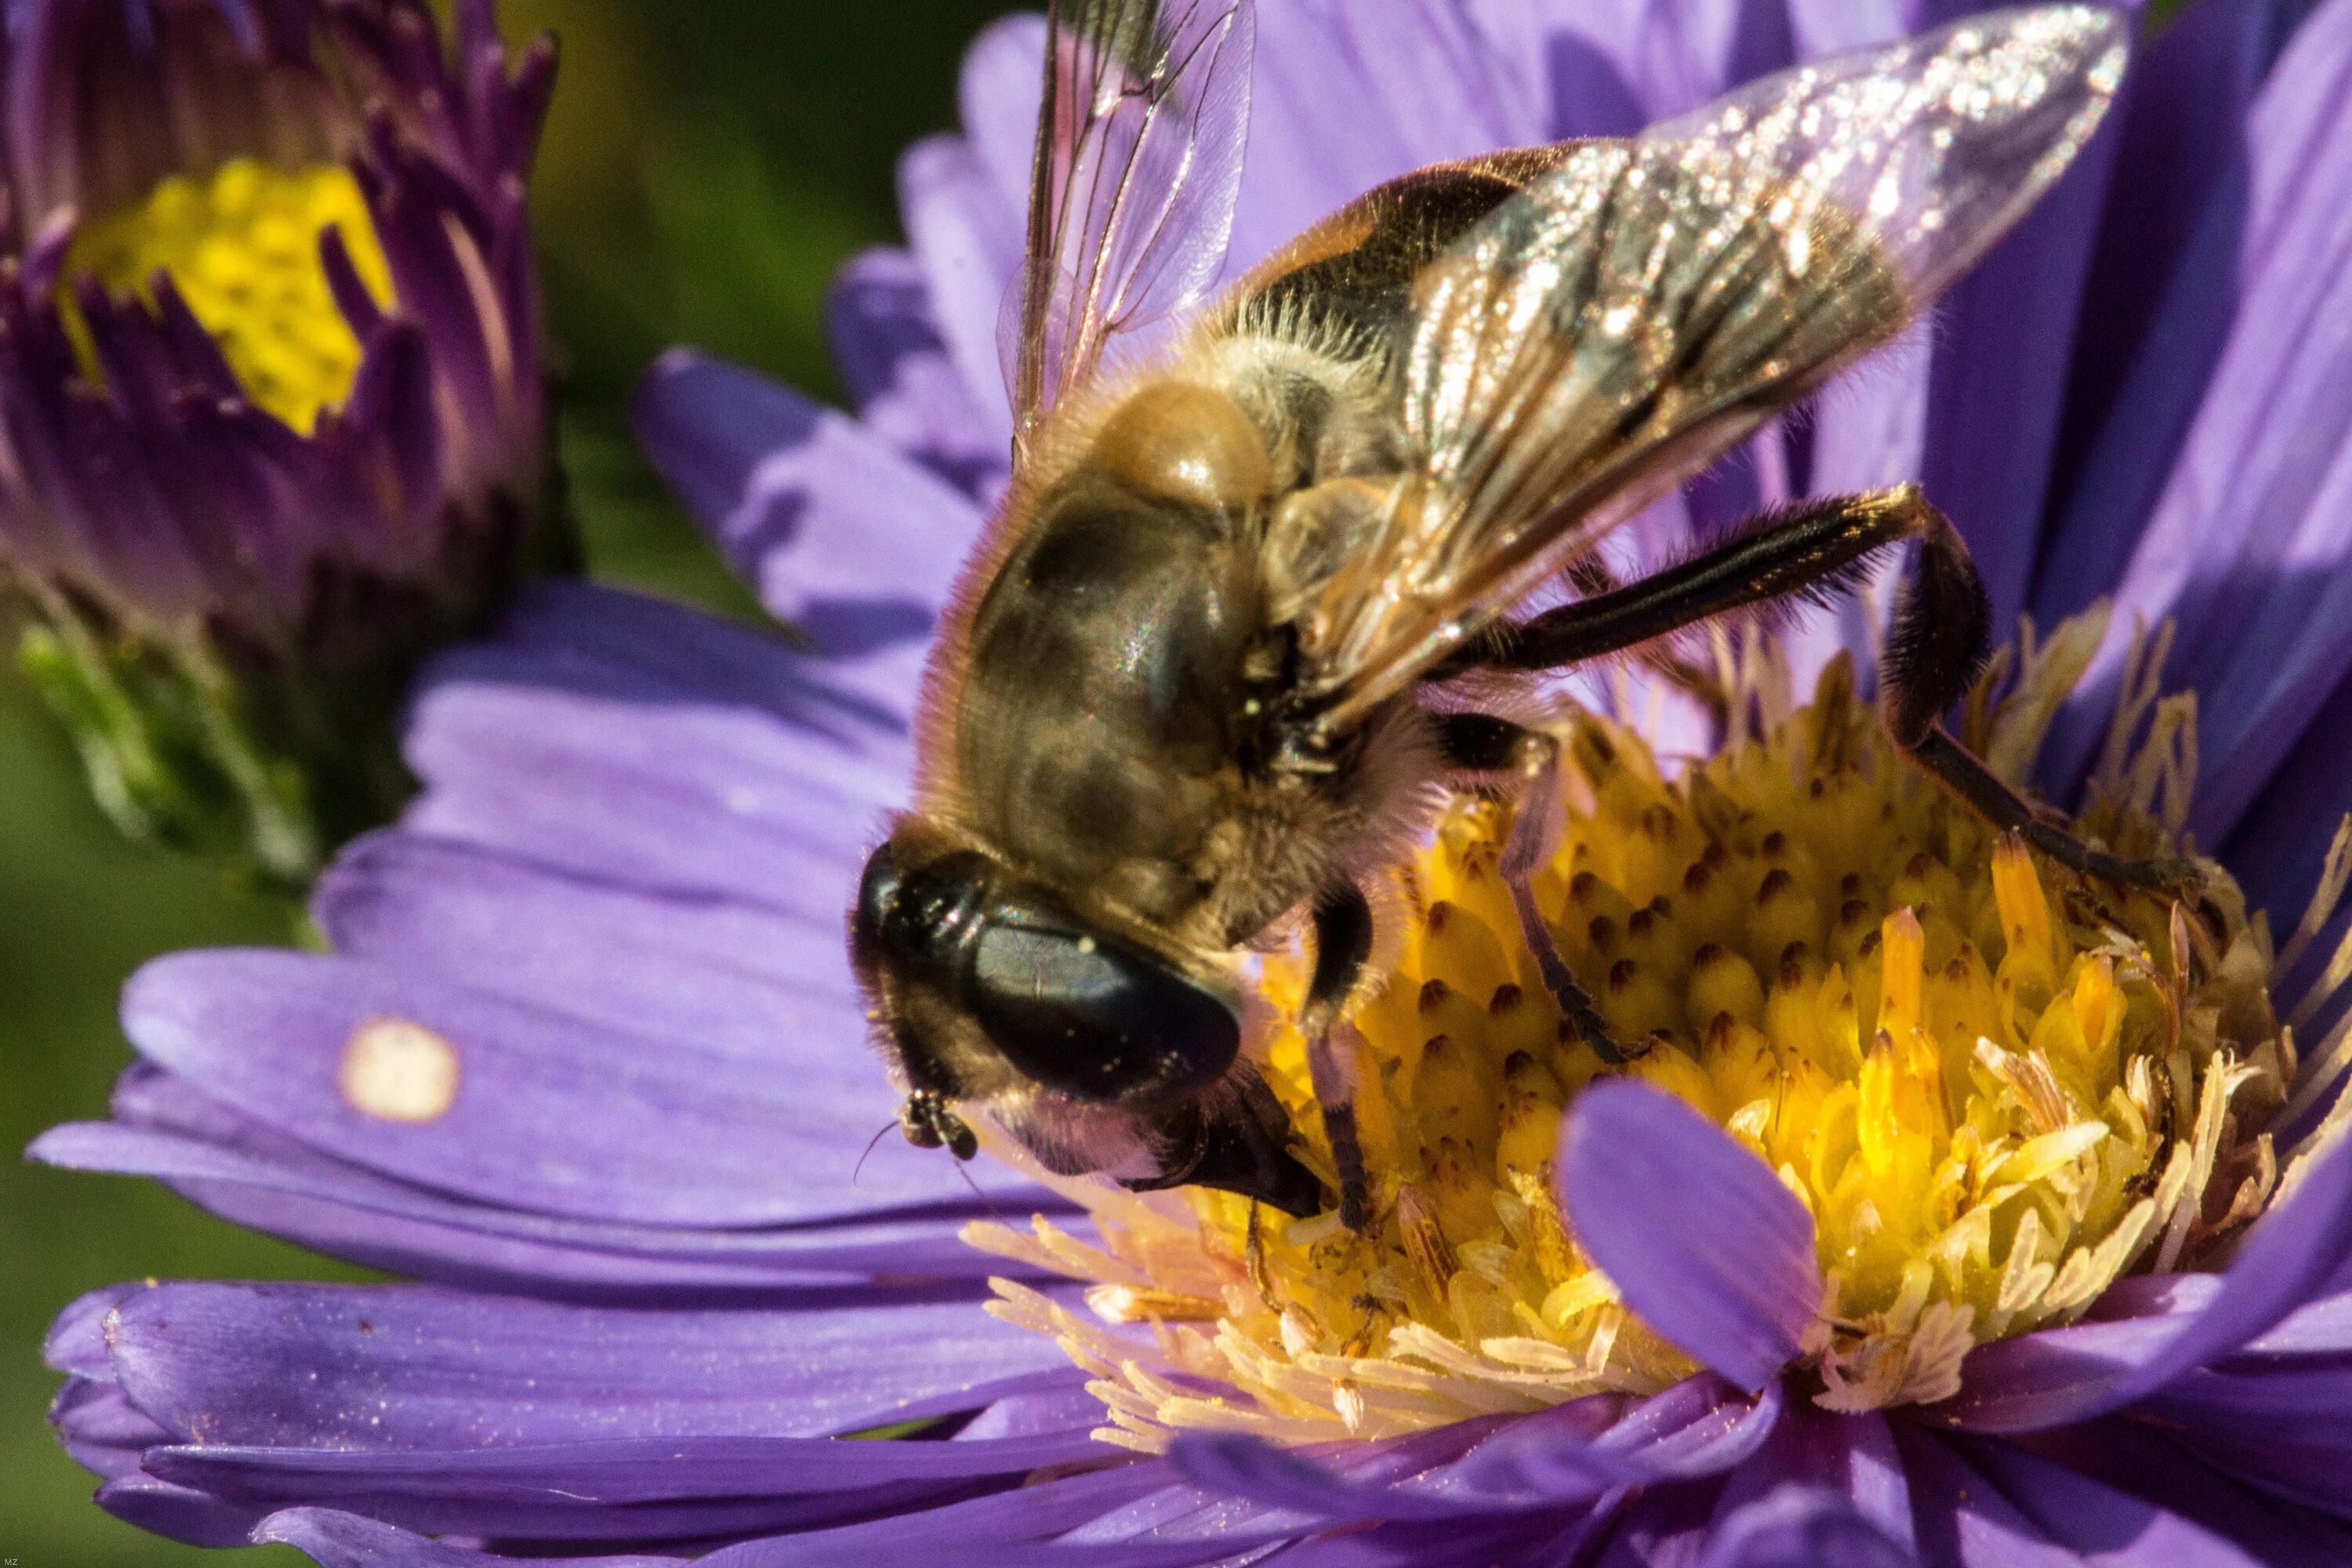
point(1343, 942)
point(1815, 545)
point(1480, 743)
point(1942, 636)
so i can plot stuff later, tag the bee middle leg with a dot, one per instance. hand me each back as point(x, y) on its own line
point(1480, 743)
point(1343, 942)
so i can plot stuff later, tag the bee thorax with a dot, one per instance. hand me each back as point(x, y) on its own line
point(1184, 442)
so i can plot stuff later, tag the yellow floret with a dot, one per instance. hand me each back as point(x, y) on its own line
point(242, 247)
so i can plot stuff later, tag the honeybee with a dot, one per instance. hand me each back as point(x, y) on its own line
point(1207, 671)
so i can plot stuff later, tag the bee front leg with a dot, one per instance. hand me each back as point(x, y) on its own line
point(1480, 743)
point(1343, 941)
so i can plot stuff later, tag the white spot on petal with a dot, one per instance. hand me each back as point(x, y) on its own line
point(397, 1070)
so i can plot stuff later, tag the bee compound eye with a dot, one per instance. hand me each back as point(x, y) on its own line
point(878, 893)
point(1096, 1017)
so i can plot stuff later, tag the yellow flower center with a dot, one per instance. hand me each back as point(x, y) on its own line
point(242, 247)
point(1995, 1085)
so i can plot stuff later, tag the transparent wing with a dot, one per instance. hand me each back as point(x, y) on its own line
point(1633, 315)
point(1138, 157)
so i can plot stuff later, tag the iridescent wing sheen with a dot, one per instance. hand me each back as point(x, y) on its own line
point(1138, 157)
point(1631, 316)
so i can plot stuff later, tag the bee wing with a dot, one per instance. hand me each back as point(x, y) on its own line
point(1138, 158)
point(1631, 315)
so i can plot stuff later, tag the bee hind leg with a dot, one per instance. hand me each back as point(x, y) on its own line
point(1480, 743)
point(1941, 638)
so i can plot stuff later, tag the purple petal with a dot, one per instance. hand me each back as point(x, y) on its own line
point(839, 533)
point(548, 1113)
point(298, 1193)
point(980, 1531)
point(2242, 547)
point(414, 1367)
point(1693, 1429)
point(749, 981)
point(2063, 1375)
point(1998, 385)
point(1237, 1465)
point(1800, 1527)
point(2096, 1522)
point(968, 238)
point(618, 1491)
point(2276, 849)
point(2180, 166)
point(1422, 84)
point(175, 1512)
point(98, 1425)
point(887, 342)
point(1731, 1281)
point(619, 739)
point(2162, 1470)
point(1813, 1453)
point(336, 1539)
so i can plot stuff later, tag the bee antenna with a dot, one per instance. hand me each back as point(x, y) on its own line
point(871, 1144)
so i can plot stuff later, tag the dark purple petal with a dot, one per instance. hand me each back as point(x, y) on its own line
point(979, 1533)
point(548, 1113)
point(2003, 339)
point(1995, 1503)
point(416, 1367)
point(163, 1509)
point(1800, 1527)
point(98, 1427)
point(838, 532)
point(2276, 851)
point(2180, 133)
point(336, 1539)
point(1813, 1453)
point(2176, 1471)
point(1732, 1282)
point(2063, 1375)
point(2242, 547)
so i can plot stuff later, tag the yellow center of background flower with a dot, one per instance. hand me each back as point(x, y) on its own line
point(242, 247)
point(1995, 1086)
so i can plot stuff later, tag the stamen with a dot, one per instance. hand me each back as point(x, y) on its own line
point(1995, 1086)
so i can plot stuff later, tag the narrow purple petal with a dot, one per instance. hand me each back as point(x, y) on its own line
point(1811, 1452)
point(885, 339)
point(175, 1512)
point(618, 1491)
point(2102, 1525)
point(619, 739)
point(734, 976)
point(2181, 1472)
point(2181, 167)
point(1800, 1527)
point(1237, 1465)
point(1732, 1281)
point(414, 1367)
point(336, 1539)
point(839, 533)
point(2003, 339)
point(2064, 1375)
point(1696, 1428)
point(968, 238)
point(546, 1112)
point(299, 1194)
point(2241, 548)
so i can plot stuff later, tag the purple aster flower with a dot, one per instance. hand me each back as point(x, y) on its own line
point(270, 394)
point(1957, 1215)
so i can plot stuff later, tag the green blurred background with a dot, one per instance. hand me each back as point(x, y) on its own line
point(709, 163)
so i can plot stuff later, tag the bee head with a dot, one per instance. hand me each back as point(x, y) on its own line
point(985, 983)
